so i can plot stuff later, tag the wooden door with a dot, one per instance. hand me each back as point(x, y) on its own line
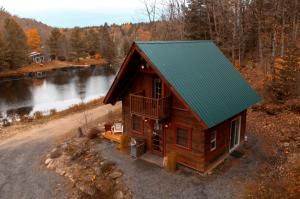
point(157, 139)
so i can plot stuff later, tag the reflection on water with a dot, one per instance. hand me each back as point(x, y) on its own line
point(59, 90)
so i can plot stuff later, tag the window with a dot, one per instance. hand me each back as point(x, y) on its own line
point(137, 123)
point(235, 130)
point(157, 88)
point(183, 137)
point(213, 140)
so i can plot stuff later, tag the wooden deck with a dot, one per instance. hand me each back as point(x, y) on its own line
point(112, 137)
point(150, 107)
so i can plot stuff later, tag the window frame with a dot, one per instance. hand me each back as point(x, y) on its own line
point(239, 119)
point(142, 124)
point(157, 81)
point(213, 139)
point(189, 131)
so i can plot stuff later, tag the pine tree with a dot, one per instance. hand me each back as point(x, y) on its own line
point(196, 26)
point(53, 42)
point(78, 42)
point(16, 53)
point(287, 70)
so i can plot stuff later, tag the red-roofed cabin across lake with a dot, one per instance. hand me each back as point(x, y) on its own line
point(183, 97)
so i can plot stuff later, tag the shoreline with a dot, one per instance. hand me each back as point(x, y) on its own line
point(49, 66)
point(39, 118)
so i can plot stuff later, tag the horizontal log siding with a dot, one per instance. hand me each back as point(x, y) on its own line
point(193, 158)
point(223, 139)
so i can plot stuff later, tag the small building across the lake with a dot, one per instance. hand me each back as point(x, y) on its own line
point(183, 97)
point(37, 57)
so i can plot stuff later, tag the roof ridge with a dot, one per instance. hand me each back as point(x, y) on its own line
point(172, 41)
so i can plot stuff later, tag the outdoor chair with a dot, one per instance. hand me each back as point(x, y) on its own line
point(117, 128)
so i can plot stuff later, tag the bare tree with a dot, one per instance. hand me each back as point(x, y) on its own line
point(151, 9)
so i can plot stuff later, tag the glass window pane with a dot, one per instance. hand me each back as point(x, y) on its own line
point(182, 137)
point(137, 123)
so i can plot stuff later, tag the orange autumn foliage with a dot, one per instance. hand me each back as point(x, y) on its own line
point(98, 56)
point(33, 39)
point(144, 35)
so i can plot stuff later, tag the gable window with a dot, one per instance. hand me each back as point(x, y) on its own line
point(137, 124)
point(157, 88)
point(213, 140)
point(183, 136)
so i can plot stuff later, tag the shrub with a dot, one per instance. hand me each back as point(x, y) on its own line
point(93, 133)
point(284, 81)
point(38, 115)
point(52, 111)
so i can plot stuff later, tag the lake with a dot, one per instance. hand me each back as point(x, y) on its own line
point(58, 90)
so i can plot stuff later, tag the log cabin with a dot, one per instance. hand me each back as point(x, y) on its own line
point(183, 97)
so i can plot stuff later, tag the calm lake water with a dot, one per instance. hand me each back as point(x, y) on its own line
point(59, 90)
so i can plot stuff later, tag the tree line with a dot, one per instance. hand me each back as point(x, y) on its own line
point(251, 33)
point(63, 44)
point(81, 42)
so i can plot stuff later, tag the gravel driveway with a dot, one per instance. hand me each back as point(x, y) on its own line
point(150, 181)
point(22, 174)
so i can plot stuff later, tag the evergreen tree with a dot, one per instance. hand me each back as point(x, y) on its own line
point(285, 79)
point(16, 53)
point(53, 42)
point(108, 48)
point(78, 42)
point(196, 26)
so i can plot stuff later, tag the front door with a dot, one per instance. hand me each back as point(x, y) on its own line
point(157, 139)
point(235, 131)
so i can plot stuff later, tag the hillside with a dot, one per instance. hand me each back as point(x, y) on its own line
point(26, 24)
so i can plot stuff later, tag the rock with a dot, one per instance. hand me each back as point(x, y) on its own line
point(105, 186)
point(52, 165)
point(55, 153)
point(119, 195)
point(48, 161)
point(115, 174)
point(86, 188)
point(77, 154)
point(60, 171)
point(98, 171)
point(107, 166)
point(286, 144)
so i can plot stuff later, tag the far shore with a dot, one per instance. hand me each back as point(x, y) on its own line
point(52, 65)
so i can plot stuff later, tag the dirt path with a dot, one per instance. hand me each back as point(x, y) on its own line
point(21, 173)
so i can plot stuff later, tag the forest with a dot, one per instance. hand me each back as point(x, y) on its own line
point(260, 34)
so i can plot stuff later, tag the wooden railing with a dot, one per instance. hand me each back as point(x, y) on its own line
point(150, 107)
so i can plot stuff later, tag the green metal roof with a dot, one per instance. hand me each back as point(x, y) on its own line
point(203, 76)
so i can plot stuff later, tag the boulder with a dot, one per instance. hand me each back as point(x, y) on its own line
point(119, 195)
point(86, 188)
point(77, 154)
point(55, 153)
point(286, 144)
point(115, 174)
point(47, 161)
